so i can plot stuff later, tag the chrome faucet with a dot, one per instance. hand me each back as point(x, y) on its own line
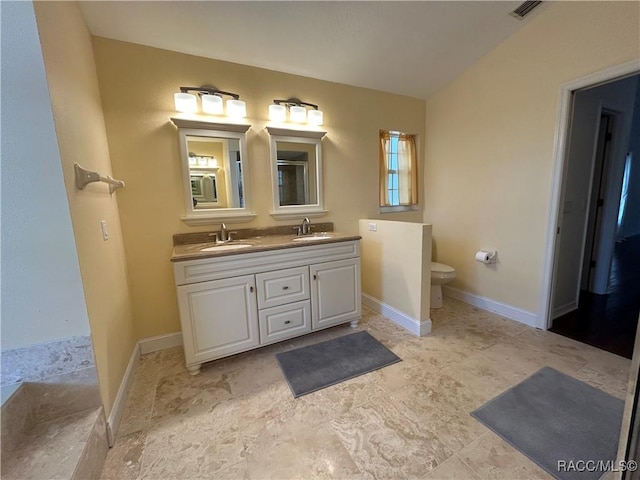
point(305, 226)
point(224, 234)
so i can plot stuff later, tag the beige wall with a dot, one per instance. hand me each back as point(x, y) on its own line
point(396, 265)
point(73, 85)
point(137, 85)
point(490, 141)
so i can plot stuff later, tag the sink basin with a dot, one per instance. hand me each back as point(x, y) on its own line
point(226, 246)
point(315, 236)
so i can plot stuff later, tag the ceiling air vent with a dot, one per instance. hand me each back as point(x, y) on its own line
point(524, 9)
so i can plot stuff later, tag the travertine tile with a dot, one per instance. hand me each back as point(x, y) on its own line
point(91, 462)
point(490, 457)
point(452, 469)
point(51, 450)
point(387, 441)
point(197, 445)
point(607, 383)
point(239, 420)
point(37, 362)
point(64, 394)
point(285, 450)
point(123, 459)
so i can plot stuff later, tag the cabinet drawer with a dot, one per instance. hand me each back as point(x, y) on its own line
point(282, 286)
point(285, 321)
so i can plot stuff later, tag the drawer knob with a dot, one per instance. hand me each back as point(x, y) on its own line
point(287, 322)
point(285, 287)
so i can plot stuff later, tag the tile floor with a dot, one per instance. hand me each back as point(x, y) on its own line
point(238, 419)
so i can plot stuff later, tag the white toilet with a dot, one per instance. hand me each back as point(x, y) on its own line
point(440, 274)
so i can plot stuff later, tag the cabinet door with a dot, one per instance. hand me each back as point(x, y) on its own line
point(218, 318)
point(335, 292)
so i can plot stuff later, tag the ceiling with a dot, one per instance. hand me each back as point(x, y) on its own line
point(409, 48)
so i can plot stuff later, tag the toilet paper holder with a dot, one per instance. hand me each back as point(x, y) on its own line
point(486, 256)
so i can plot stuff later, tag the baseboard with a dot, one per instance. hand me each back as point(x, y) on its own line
point(417, 327)
point(508, 311)
point(564, 309)
point(160, 342)
point(113, 422)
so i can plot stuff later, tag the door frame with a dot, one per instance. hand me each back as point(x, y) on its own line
point(543, 319)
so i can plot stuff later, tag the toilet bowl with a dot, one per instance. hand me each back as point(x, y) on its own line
point(440, 274)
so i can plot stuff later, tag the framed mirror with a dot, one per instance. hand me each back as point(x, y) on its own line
point(296, 173)
point(214, 169)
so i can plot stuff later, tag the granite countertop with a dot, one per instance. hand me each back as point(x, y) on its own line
point(194, 251)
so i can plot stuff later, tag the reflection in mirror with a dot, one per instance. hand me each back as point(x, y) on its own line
point(296, 164)
point(215, 172)
point(296, 168)
point(214, 168)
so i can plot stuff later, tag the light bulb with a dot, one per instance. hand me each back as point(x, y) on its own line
point(185, 102)
point(236, 108)
point(212, 104)
point(314, 117)
point(277, 113)
point(297, 114)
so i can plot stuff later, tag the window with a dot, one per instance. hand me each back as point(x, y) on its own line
point(398, 171)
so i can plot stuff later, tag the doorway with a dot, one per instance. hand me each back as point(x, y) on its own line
point(595, 293)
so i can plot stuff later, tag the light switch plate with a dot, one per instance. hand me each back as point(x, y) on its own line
point(373, 227)
point(105, 233)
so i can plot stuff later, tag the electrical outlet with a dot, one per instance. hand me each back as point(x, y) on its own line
point(105, 233)
point(373, 227)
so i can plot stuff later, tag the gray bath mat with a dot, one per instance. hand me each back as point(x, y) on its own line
point(551, 418)
point(312, 368)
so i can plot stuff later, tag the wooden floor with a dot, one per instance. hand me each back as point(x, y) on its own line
point(609, 321)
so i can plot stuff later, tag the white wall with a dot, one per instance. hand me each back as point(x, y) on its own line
point(587, 106)
point(42, 294)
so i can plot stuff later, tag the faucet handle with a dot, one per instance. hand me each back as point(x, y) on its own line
point(215, 236)
point(298, 230)
point(229, 235)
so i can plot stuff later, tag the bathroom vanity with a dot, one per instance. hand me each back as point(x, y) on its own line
point(258, 291)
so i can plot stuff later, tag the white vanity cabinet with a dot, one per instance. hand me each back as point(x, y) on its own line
point(233, 303)
point(219, 318)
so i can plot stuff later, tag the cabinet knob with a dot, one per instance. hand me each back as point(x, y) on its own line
point(287, 322)
point(315, 277)
point(251, 288)
point(285, 287)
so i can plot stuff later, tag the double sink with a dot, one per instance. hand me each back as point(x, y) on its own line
point(240, 244)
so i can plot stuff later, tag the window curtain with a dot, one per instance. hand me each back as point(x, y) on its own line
point(407, 169)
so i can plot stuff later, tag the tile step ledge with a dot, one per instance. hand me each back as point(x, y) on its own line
point(70, 447)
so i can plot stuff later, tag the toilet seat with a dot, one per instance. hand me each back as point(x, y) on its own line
point(442, 271)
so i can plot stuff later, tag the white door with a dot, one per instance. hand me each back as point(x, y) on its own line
point(218, 318)
point(335, 292)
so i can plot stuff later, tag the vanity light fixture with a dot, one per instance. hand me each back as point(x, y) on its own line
point(298, 112)
point(212, 101)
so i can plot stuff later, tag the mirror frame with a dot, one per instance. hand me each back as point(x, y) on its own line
point(312, 137)
point(200, 128)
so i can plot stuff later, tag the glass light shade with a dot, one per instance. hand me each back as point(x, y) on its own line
point(185, 102)
point(297, 114)
point(212, 104)
point(277, 113)
point(236, 108)
point(314, 117)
